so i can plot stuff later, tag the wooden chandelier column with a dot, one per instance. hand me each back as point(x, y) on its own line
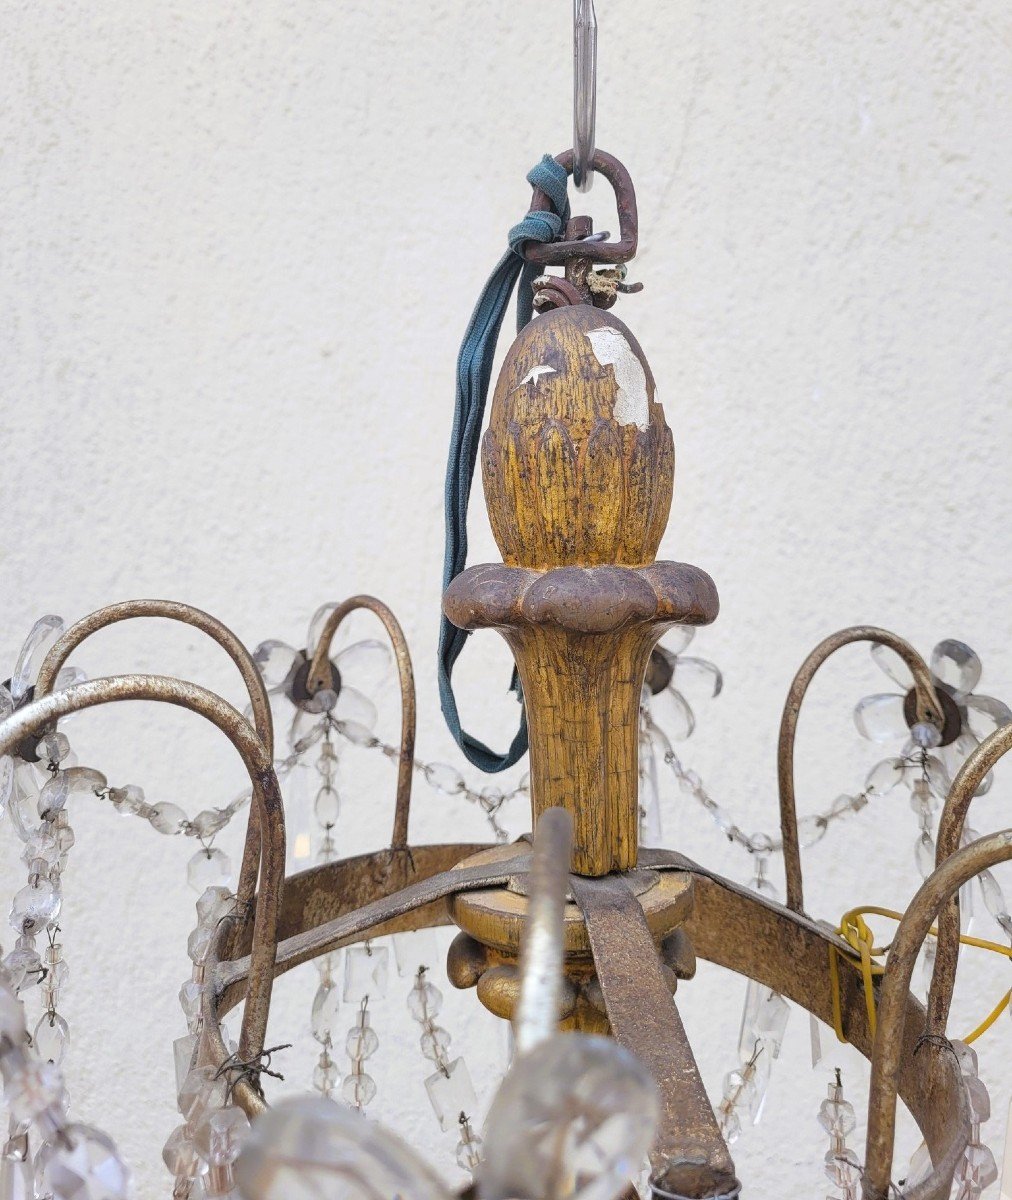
point(578, 469)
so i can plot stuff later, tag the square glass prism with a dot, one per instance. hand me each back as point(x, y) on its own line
point(450, 1094)
point(366, 968)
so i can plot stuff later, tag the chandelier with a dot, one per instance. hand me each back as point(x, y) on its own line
point(578, 935)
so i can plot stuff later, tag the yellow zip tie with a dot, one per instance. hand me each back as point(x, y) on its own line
point(856, 932)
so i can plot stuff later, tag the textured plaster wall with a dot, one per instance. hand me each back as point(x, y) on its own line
point(239, 246)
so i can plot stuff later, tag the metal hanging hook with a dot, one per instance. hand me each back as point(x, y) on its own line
point(584, 91)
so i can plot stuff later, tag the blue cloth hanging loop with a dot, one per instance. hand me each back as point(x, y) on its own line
point(474, 371)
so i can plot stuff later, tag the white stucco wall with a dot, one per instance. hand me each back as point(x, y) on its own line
point(239, 246)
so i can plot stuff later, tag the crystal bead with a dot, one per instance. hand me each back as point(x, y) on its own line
point(43, 634)
point(33, 1088)
point(53, 748)
point(444, 778)
point(469, 1152)
point(128, 800)
point(490, 798)
point(182, 1057)
point(84, 1165)
point(23, 966)
point(843, 1167)
point(305, 1148)
point(202, 1091)
point(180, 1155)
point(35, 906)
point(12, 1014)
point(978, 1098)
point(424, 1000)
point(190, 995)
point(365, 973)
point(434, 1043)
point(361, 735)
point(886, 775)
point(167, 818)
point(209, 867)
point(581, 1109)
point(730, 1127)
point(966, 1056)
point(956, 665)
point(220, 1135)
point(327, 807)
point(275, 660)
point(843, 803)
point(979, 1166)
point(761, 844)
point(324, 1014)
point(926, 735)
point(359, 1090)
point(361, 1042)
point(740, 1090)
point(880, 718)
point(216, 901)
point(209, 822)
point(451, 1093)
point(811, 830)
point(994, 897)
point(51, 1038)
point(325, 1074)
point(836, 1116)
point(322, 701)
point(199, 942)
point(924, 854)
point(53, 796)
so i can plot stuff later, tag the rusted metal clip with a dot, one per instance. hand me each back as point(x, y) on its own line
point(559, 253)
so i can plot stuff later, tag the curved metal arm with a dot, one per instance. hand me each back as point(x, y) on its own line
point(950, 833)
point(319, 676)
point(173, 610)
point(956, 870)
point(541, 954)
point(256, 759)
point(928, 709)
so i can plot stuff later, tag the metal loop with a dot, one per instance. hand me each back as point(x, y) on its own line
point(584, 92)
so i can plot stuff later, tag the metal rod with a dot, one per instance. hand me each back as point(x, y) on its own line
point(956, 870)
point(584, 92)
point(173, 610)
point(541, 950)
point(44, 712)
point(928, 709)
point(319, 676)
point(950, 834)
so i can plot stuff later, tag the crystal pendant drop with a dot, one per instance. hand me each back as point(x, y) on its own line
point(577, 1108)
point(209, 868)
point(86, 1167)
point(307, 1148)
point(51, 1038)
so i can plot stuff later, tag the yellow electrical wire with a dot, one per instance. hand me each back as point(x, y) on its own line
point(856, 932)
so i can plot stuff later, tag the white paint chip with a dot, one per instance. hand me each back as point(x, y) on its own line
point(611, 349)
point(534, 374)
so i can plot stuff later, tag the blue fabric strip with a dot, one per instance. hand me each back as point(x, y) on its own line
point(474, 370)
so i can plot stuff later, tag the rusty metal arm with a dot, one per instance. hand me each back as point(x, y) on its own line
point(319, 676)
point(186, 614)
point(936, 890)
point(541, 948)
point(44, 712)
point(950, 833)
point(928, 710)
